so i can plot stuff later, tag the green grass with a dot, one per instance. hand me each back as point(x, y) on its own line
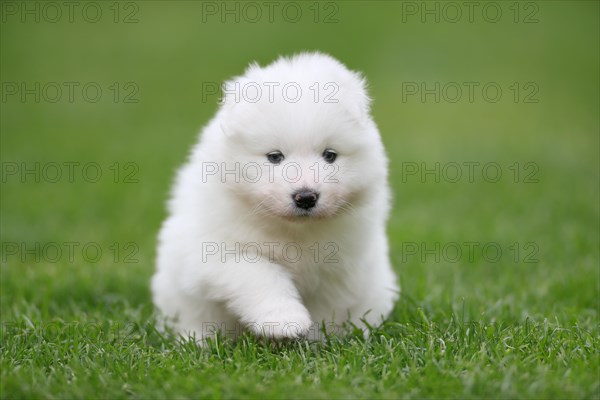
point(524, 326)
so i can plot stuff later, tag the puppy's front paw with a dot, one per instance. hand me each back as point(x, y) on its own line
point(282, 321)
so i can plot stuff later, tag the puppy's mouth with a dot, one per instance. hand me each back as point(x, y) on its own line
point(297, 214)
point(302, 214)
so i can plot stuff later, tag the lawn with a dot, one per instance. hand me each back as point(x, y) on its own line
point(490, 120)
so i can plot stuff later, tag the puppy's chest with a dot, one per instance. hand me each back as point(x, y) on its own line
point(314, 265)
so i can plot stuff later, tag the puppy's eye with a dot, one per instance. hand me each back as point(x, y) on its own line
point(275, 157)
point(329, 155)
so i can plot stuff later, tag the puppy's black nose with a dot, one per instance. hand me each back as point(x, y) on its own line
point(305, 198)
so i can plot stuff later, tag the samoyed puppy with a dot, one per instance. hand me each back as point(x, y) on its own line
point(276, 223)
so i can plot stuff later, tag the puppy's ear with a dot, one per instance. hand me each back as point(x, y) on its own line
point(232, 119)
point(231, 99)
point(231, 90)
point(354, 93)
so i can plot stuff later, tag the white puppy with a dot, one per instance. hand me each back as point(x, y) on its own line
point(277, 221)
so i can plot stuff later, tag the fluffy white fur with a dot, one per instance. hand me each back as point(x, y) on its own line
point(236, 252)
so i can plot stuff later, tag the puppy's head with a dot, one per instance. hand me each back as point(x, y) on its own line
point(299, 134)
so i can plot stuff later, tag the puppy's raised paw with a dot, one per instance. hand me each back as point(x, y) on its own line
point(282, 321)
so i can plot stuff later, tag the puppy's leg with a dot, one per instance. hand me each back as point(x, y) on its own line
point(263, 297)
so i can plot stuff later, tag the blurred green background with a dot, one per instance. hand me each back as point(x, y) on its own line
point(160, 53)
